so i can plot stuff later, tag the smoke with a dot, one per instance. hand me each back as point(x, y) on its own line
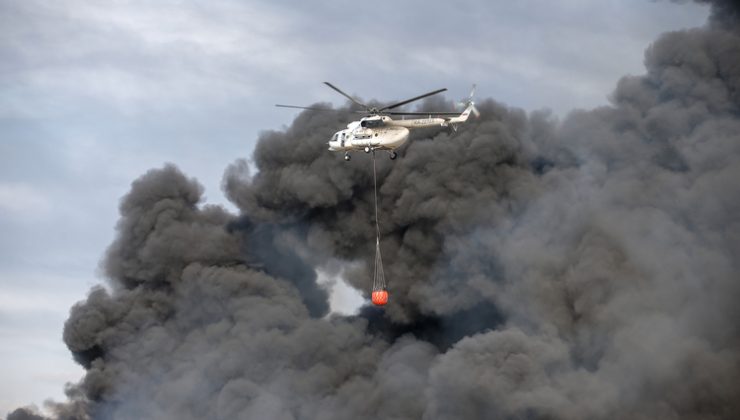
point(584, 268)
point(725, 13)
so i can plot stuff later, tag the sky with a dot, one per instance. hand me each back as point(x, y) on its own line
point(95, 93)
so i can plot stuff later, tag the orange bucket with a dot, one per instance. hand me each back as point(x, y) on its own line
point(380, 297)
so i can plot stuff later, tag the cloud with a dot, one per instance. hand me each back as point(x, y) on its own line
point(23, 201)
point(138, 58)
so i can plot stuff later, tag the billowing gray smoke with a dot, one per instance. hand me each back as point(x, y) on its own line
point(537, 269)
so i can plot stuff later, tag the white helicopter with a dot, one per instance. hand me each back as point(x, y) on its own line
point(378, 131)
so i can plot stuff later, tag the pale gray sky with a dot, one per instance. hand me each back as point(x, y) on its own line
point(94, 93)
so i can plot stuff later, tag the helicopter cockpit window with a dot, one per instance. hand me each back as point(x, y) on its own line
point(370, 123)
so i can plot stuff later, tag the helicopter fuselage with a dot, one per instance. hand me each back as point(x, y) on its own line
point(359, 138)
point(380, 132)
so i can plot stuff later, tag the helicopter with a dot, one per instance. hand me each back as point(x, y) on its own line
point(379, 131)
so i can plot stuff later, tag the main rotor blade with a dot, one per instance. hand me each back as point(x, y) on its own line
point(304, 107)
point(346, 96)
point(422, 113)
point(396, 105)
point(356, 111)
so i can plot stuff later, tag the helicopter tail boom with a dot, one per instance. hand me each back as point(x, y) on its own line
point(465, 114)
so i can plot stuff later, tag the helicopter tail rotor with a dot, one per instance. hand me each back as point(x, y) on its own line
point(468, 102)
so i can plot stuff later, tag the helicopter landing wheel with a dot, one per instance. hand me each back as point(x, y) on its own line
point(393, 155)
point(367, 149)
point(347, 157)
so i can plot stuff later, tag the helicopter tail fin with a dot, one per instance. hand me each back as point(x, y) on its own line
point(469, 107)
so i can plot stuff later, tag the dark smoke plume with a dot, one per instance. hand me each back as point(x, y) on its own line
point(583, 269)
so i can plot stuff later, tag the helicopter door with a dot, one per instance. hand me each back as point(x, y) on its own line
point(341, 136)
